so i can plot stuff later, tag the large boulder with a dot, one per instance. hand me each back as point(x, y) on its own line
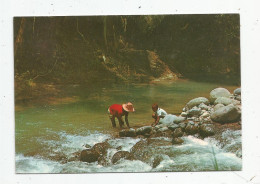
point(226, 101)
point(101, 148)
point(226, 114)
point(170, 118)
point(89, 155)
point(127, 133)
point(144, 150)
point(218, 92)
point(197, 102)
point(141, 151)
point(218, 106)
point(143, 130)
point(121, 155)
point(178, 119)
point(206, 130)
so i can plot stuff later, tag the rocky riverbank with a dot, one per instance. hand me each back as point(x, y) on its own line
point(201, 118)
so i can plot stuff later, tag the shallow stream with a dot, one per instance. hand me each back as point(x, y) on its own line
point(44, 134)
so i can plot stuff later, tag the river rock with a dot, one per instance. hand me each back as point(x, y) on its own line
point(127, 133)
point(195, 111)
point(143, 130)
point(157, 160)
point(177, 133)
point(163, 129)
point(89, 155)
point(237, 91)
point(102, 160)
point(191, 118)
point(75, 156)
point(177, 140)
point(101, 148)
point(203, 106)
point(206, 130)
point(184, 114)
point(226, 114)
point(121, 155)
point(169, 118)
point(144, 150)
point(192, 128)
point(190, 123)
point(182, 125)
point(239, 153)
point(226, 101)
point(205, 115)
point(156, 142)
point(87, 146)
point(204, 120)
point(238, 97)
point(140, 151)
point(218, 106)
point(218, 92)
point(173, 126)
point(178, 119)
point(197, 102)
point(157, 127)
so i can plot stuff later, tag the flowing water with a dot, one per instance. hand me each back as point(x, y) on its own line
point(45, 134)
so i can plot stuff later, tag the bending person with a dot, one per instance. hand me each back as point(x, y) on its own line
point(118, 111)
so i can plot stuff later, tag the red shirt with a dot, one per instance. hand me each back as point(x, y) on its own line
point(117, 110)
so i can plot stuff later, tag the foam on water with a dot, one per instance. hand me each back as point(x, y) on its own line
point(193, 155)
point(125, 143)
point(196, 154)
point(69, 143)
point(36, 165)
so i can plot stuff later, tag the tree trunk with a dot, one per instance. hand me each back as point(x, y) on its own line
point(19, 37)
point(105, 32)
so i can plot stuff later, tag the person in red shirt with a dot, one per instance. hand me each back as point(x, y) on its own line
point(118, 111)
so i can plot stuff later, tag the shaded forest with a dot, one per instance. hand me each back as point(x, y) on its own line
point(109, 49)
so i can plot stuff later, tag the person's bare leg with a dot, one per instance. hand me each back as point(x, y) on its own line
point(112, 118)
point(121, 122)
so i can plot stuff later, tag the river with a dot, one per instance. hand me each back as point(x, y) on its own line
point(46, 133)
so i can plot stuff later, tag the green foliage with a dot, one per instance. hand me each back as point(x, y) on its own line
point(71, 49)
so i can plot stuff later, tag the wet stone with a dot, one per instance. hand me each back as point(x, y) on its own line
point(127, 133)
point(192, 129)
point(206, 130)
point(89, 155)
point(182, 125)
point(177, 140)
point(177, 133)
point(121, 155)
point(172, 127)
point(143, 130)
